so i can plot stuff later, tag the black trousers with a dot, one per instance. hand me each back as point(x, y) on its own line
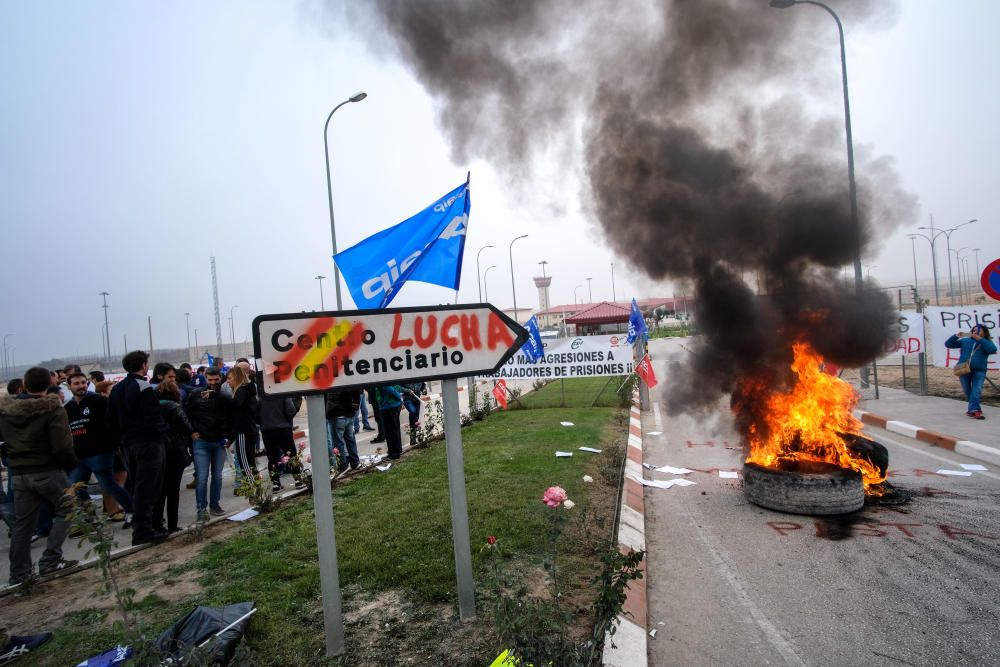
point(278, 442)
point(145, 462)
point(377, 413)
point(390, 427)
point(173, 471)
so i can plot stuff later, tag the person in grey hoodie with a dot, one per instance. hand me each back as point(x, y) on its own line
point(40, 451)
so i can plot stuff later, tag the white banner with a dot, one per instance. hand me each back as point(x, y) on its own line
point(576, 357)
point(908, 335)
point(943, 321)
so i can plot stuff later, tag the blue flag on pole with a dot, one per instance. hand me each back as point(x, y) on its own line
point(534, 349)
point(427, 247)
point(636, 323)
point(211, 360)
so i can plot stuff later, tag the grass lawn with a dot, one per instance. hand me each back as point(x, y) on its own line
point(394, 547)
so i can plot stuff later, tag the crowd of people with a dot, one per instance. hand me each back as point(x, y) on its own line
point(61, 429)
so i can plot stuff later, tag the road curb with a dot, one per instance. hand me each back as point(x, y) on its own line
point(630, 643)
point(965, 447)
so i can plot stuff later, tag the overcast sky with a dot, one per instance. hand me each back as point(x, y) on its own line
point(139, 139)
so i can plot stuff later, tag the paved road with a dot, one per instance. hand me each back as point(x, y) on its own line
point(230, 503)
point(735, 584)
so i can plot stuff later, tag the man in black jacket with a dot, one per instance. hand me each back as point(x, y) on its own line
point(40, 450)
point(208, 411)
point(135, 415)
point(94, 447)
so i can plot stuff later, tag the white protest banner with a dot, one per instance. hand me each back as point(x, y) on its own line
point(576, 357)
point(943, 321)
point(908, 334)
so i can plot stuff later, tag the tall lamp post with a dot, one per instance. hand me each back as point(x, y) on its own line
point(7, 365)
point(947, 236)
point(614, 297)
point(356, 97)
point(513, 290)
point(486, 273)
point(187, 321)
point(852, 188)
point(107, 330)
point(937, 293)
point(322, 304)
point(574, 293)
point(479, 279)
point(232, 329)
point(958, 267)
point(913, 247)
point(542, 264)
point(978, 272)
point(590, 293)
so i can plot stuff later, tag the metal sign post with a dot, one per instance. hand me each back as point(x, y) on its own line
point(326, 539)
point(459, 504)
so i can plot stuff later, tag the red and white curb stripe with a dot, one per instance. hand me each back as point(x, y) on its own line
point(965, 447)
point(630, 637)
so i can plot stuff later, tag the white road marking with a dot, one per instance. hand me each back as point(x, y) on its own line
point(936, 457)
point(780, 644)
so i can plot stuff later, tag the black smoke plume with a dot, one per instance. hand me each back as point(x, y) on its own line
point(699, 148)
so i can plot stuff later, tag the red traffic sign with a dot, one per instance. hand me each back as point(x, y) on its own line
point(311, 353)
point(990, 279)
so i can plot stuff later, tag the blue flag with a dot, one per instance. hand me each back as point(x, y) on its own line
point(427, 247)
point(534, 349)
point(636, 323)
point(211, 360)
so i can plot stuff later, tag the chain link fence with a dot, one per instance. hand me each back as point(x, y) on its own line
point(904, 371)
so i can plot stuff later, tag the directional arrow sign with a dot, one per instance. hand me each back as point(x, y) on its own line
point(312, 353)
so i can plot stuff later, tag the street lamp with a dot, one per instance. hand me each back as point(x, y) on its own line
point(978, 272)
point(8, 367)
point(512, 288)
point(937, 295)
point(322, 304)
point(852, 188)
point(478, 279)
point(486, 273)
point(574, 293)
point(107, 329)
point(961, 280)
point(614, 297)
point(187, 321)
point(356, 97)
point(913, 247)
point(232, 331)
point(590, 293)
point(869, 268)
point(543, 263)
point(947, 236)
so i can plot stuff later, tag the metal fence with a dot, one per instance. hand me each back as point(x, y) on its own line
point(904, 372)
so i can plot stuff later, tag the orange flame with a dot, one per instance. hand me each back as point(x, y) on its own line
point(806, 423)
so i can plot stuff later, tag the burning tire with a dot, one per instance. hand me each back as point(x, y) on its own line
point(804, 488)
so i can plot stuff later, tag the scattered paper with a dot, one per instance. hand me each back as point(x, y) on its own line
point(649, 466)
point(563, 454)
point(652, 633)
point(955, 473)
point(567, 423)
point(662, 483)
point(371, 458)
point(973, 466)
point(248, 513)
point(661, 623)
point(655, 433)
point(590, 449)
point(383, 468)
point(729, 474)
point(673, 471)
point(588, 479)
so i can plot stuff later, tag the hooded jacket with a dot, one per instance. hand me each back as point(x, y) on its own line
point(278, 413)
point(37, 433)
point(208, 414)
point(135, 411)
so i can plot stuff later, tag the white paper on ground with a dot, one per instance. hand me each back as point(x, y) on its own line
point(372, 458)
point(955, 473)
point(566, 423)
point(683, 482)
point(973, 466)
point(673, 471)
point(729, 474)
point(383, 468)
point(655, 433)
point(562, 454)
point(652, 633)
point(248, 513)
point(662, 483)
point(649, 466)
point(590, 449)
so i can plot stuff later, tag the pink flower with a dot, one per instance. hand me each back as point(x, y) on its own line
point(302, 446)
point(309, 459)
point(336, 451)
point(554, 495)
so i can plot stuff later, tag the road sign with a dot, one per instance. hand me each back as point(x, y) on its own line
point(990, 279)
point(311, 353)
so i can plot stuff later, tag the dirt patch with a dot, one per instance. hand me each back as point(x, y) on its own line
point(146, 572)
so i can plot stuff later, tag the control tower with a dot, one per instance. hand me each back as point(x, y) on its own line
point(543, 291)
